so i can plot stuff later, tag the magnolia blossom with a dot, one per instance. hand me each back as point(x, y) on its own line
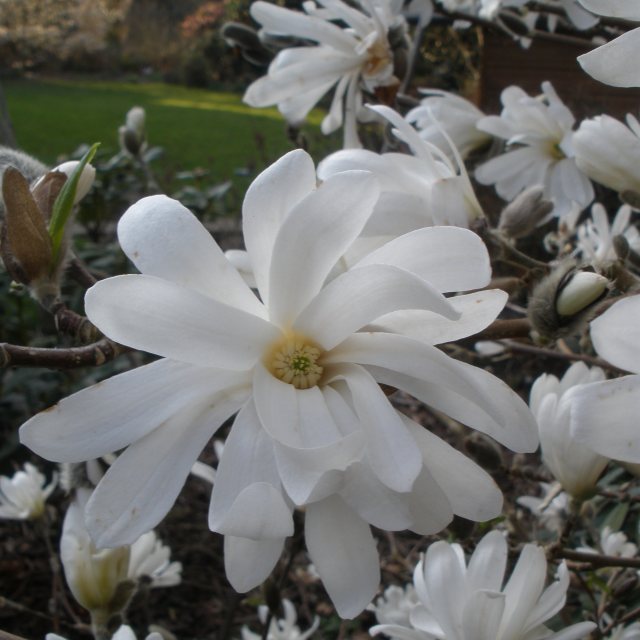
point(595, 236)
point(551, 509)
point(609, 152)
point(613, 543)
point(538, 132)
point(605, 414)
point(150, 559)
point(632, 632)
point(443, 114)
point(394, 605)
point(301, 363)
point(22, 496)
point(281, 629)
point(615, 63)
point(575, 466)
point(125, 632)
point(418, 190)
point(461, 601)
point(349, 59)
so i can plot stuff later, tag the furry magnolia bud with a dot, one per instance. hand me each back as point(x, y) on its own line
point(521, 216)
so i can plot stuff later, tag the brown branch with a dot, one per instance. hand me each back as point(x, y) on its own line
point(501, 329)
point(80, 273)
point(598, 560)
point(92, 355)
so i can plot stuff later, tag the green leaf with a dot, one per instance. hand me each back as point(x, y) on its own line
point(63, 205)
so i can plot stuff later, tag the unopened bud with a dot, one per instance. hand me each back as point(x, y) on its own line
point(579, 292)
point(87, 177)
point(240, 35)
point(521, 216)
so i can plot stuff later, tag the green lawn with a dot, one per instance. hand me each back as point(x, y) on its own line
point(197, 128)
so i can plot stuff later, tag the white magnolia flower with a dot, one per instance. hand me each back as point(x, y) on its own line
point(281, 628)
point(418, 190)
point(394, 605)
point(151, 559)
point(551, 509)
point(632, 632)
point(575, 466)
point(615, 63)
point(349, 59)
point(604, 415)
point(538, 132)
point(608, 151)
point(125, 632)
point(441, 111)
point(313, 428)
point(461, 601)
point(22, 496)
point(595, 236)
point(613, 543)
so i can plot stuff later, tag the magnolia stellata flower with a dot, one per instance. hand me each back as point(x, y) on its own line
point(441, 112)
point(632, 632)
point(575, 466)
point(608, 151)
point(349, 59)
point(417, 190)
point(613, 543)
point(125, 632)
point(150, 559)
point(22, 496)
point(539, 134)
point(461, 601)
point(301, 364)
point(595, 236)
point(604, 415)
point(394, 605)
point(614, 63)
point(551, 509)
point(281, 628)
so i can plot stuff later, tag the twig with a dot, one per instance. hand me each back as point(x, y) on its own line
point(80, 273)
point(598, 560)
point(501, 329)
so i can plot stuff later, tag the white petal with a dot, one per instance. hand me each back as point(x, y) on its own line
point(248, 563)
point(363, 294)
point(396, 631)
point(577, 631)
point(312, 239)
point(449, 258)
point(115, 412)
point(482, 615)
point(626, 9)
point(154, 315)
point(616, 334)
point(344, 552)
point(164, 239)
point(604, 416)
point(477, 311)
point(391, 449)
point(143, 483)
point(430, 507)
point(268, 201)
point(612, 63)
point(488, 563)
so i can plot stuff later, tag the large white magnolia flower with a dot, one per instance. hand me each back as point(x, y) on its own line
point(575, 466)
point(301, 363)
point(608, 151)
point(605, 414)
point(349, 59)
point(418, 190)
point(460, 601)
point(23, 496)
point(538, 131)
point(615, 63)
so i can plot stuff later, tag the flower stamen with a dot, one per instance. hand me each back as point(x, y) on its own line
point(295, 361)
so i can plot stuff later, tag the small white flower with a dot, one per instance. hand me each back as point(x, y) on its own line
point(595, 236)
point(394, 605)
point(281, 628)
point(23, 496)
point(538, 132)
point(467, 601)
point(125, 632)
point(348, 59)
point(551, 509)
point(151, 558)
point(608, 151)
point(615, 63)
point(575, 466)
point(613, 543)
point(632, 632)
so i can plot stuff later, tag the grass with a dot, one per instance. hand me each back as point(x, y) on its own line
point(196, 128)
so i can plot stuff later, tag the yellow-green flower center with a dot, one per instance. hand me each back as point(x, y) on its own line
point(294, 360)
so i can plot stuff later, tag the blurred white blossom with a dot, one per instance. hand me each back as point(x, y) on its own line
point(613, 543)
point(23, 496)
point(551, 509)
point(467, 601)
point(151, 559)
point(125, 632)
point(281, 628)
point(394, 605)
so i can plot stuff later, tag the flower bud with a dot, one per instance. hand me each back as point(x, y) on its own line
point(579, 292)
point(521, 216)
point(133, 137)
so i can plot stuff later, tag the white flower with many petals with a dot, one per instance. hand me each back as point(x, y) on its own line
point(150, 559)
point(419, 190)
point(613, 543)
point(595, 236)
point(394, 605)
point(441, 111)
point(460, 601)
point(632, 632)
point(301, 364)
point(23, 496)
point(605, 414)
point(615, 63)
point(608, 151)
point(538, 131)
point(125, 632)
point(281, 628)
point(575, 466)
point(551, 509)
point(349, 59)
